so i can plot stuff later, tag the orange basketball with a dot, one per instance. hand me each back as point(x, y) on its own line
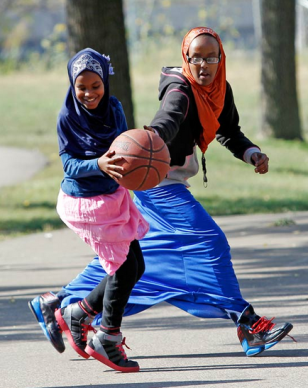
point(146, 158)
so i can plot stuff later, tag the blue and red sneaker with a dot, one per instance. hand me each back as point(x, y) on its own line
point(43, 308)
point(257, 334)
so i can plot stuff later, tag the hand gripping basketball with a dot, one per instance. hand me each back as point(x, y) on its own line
point(146, 159)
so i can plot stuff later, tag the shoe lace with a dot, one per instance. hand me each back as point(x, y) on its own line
point(292, 338)
point(121, 349)
point(263, 324)
point(85, 328)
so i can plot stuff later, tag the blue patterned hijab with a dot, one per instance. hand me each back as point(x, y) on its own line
point(85, 133)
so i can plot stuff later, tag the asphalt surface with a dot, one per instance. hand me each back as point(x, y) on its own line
point(173, 348)
point(18, 165)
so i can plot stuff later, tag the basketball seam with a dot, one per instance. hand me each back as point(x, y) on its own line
point(143, 181)
point(141, 146)
point(137, 168)
point(145, 176)
point(151, 168)
point(150, 161)
point(143, 157)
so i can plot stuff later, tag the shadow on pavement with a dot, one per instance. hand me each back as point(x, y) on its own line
point(161, 384)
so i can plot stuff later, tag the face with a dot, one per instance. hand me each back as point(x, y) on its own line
point(89, 89)
point(204, 46)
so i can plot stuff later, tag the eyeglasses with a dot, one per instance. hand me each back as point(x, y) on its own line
point(199, 61)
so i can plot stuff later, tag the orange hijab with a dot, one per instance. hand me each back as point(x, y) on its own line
point(209, 99)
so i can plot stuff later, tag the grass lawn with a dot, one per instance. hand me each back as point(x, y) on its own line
point(28, 111)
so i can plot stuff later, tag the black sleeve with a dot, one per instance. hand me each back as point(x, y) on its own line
point(229, 133)
point(172, 112)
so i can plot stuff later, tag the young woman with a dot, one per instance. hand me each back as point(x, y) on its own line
point(187, 256)
point(101, 212)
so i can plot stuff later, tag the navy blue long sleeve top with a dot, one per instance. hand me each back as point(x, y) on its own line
point(82, 177)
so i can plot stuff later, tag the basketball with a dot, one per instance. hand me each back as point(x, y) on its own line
point(146, 159)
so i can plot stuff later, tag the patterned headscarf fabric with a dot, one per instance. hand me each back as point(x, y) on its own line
point(86, 62)
point(82, 132)
point(209, 99)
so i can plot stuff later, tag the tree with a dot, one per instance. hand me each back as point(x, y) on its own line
point(279, 93)
point(99, 24)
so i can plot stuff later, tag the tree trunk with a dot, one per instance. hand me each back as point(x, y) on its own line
point(280, 115)
point(99, 24)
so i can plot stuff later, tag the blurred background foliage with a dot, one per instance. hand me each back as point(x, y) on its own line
point(33, 32)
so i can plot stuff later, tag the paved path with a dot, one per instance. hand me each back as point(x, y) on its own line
point(173, 348)
point(18, 165)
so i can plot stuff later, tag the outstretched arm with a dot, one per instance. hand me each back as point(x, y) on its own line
point(172, 112)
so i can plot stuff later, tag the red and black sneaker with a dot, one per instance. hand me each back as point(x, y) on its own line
point(257, 334)
point(109, 350)
point(76, 323)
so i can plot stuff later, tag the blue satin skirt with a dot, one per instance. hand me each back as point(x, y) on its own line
point(187, 258)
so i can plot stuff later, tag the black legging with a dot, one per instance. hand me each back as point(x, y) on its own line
point(112, 293)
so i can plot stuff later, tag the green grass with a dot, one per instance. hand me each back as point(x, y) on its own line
point(30, 103)
point(234, 188)
point(28, 111)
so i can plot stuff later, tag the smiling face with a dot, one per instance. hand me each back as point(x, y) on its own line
point(89, 89)
point(204, 46)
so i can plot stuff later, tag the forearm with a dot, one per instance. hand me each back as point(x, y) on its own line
point(237, 143)
point(79, 168)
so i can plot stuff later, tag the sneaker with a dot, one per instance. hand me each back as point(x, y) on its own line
point(257, 334)
point(108, 349)
point(43, 308)
point(75, 322)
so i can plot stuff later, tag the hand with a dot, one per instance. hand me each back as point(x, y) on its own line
point(148, 128)
point(261, 162)
point(108, 164)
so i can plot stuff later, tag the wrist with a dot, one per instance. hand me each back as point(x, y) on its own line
point(248, 154)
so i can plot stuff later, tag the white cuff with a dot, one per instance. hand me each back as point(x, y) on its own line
point(248, 153)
